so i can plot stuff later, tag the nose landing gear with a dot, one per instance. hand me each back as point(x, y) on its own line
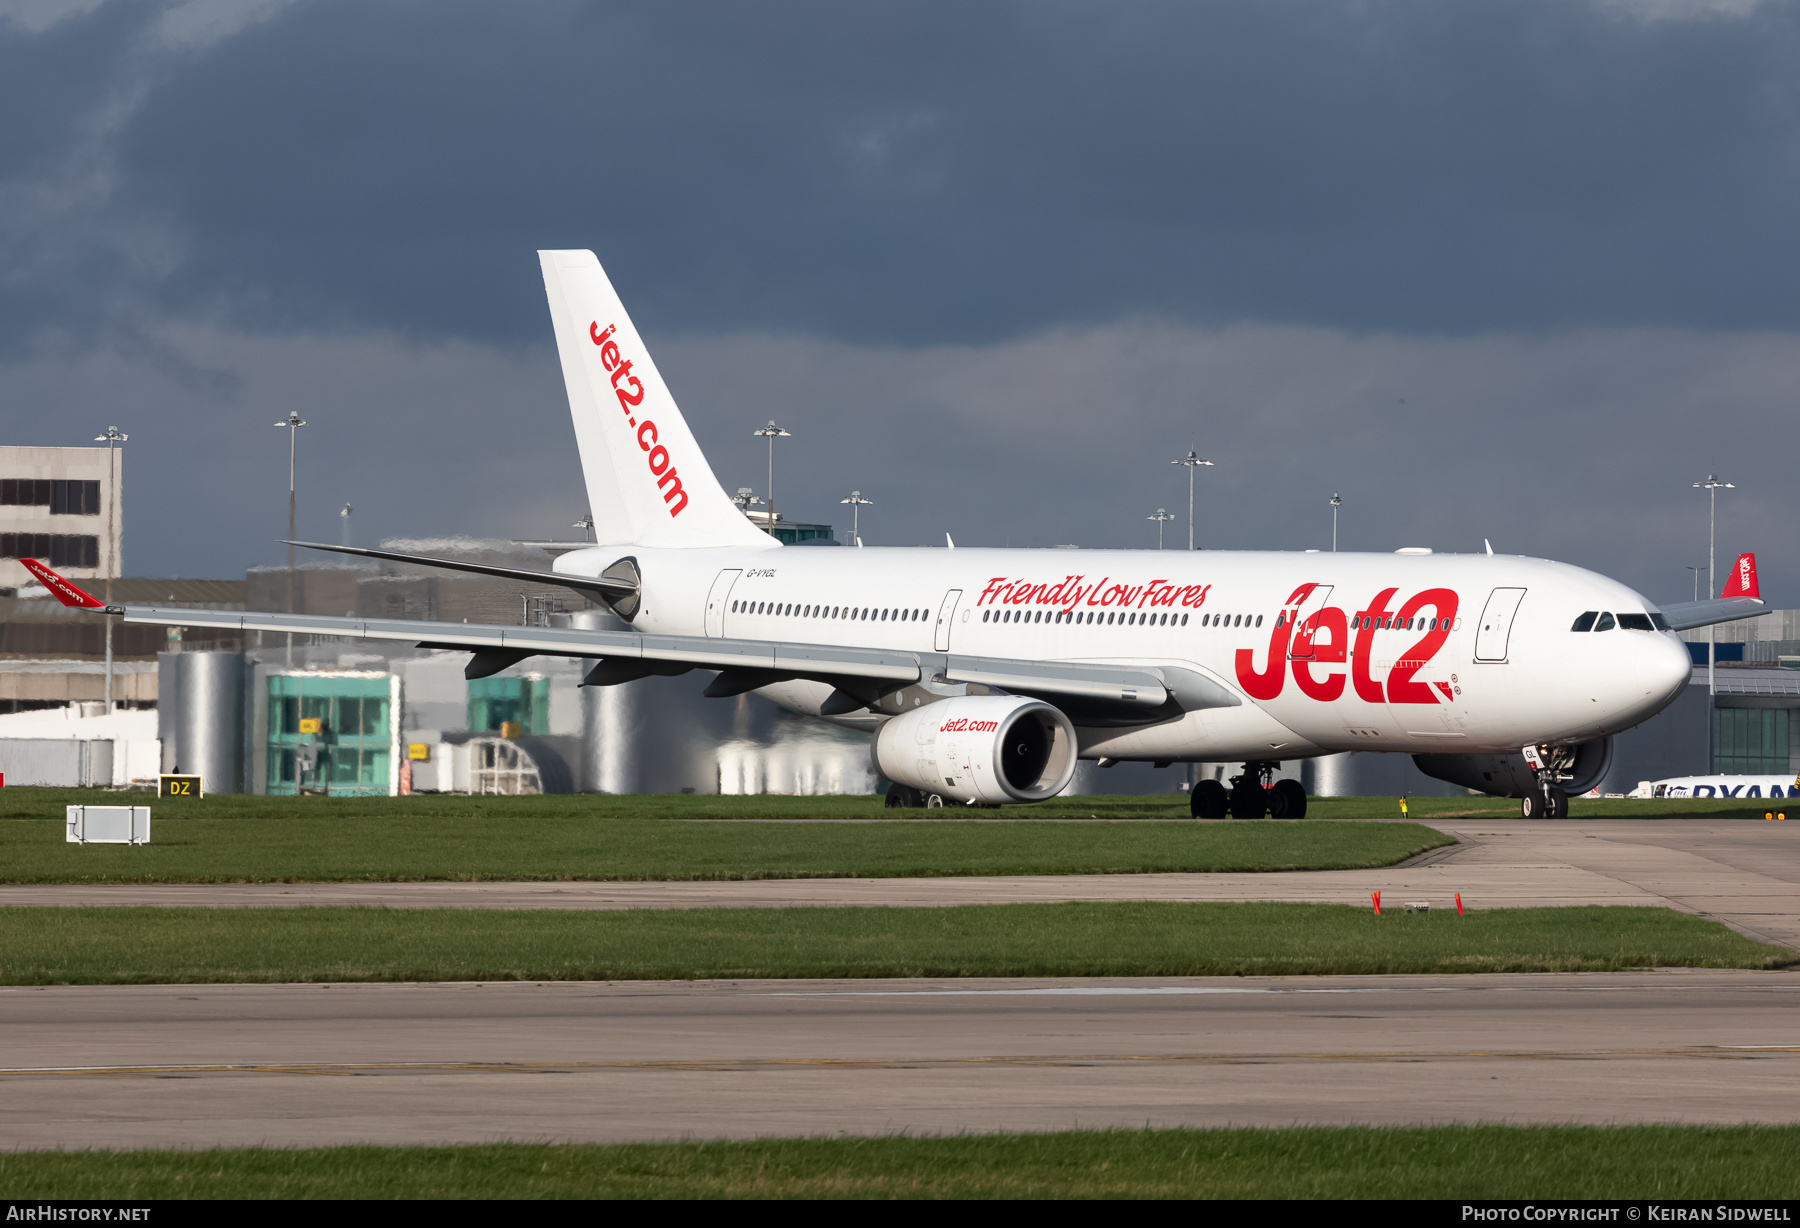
point(1251, 796)
point(1547, 800)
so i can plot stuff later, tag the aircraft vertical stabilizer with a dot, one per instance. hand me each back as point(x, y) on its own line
point(648, 483)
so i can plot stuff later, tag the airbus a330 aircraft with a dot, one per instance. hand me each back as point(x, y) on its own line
point(984, 675)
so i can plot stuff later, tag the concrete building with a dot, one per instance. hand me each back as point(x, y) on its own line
point(61, 505)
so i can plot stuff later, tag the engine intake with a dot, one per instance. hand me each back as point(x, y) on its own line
point(980, 748)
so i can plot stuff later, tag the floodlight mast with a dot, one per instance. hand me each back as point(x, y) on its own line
point(1712, 486)
point(112, 439)
point(1193, 461)
point(1162, 516)
point(857, 503)
point(772, 432)
point(293, 422)
point(1336, 502)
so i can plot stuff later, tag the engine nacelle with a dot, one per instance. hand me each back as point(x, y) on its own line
point(1510, 776)
point(980, 748)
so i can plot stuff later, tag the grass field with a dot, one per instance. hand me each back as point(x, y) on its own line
point(263, 839)
point(113, 946)
point(1442, 1162)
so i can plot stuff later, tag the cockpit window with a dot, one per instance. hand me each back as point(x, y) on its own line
point(1661, 623)
point(1585, 622)
point(1605, 623)
point(1635, 622)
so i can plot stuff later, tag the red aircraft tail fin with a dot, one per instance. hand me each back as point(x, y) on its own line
point(1742, 582)
point(60, 588)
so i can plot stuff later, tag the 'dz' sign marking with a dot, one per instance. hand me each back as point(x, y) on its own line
point(631, 395)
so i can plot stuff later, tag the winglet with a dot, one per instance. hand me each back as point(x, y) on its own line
point(60, 588)
point(1742, 582)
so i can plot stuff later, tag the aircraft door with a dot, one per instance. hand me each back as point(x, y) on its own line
point(1496, 623)
point(715, 603)
point(1300, 644)
point(946, 612)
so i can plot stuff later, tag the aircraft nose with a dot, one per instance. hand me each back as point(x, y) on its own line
point(1667, 667)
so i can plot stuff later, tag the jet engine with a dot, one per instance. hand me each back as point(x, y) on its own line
point(1581, 766)
point(980, 748)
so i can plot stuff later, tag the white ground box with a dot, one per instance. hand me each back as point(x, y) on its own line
point(108, 825)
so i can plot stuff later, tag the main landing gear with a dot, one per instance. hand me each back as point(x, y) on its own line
point(1251, 796)
point(1546, 800)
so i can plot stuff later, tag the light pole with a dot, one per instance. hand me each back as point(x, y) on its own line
point(113, 438)
point(1712, 486)
point(1161, 518)
point(1696, 572)
point(586, 525)
point(857, 503)
point(1193, 461)
point(345, 517)
point(745, 499)
point(293, 422)
point(771, 432)
point(1336, 503)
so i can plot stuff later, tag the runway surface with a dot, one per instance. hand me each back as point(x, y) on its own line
point(192, 1066)
point(1744, 873)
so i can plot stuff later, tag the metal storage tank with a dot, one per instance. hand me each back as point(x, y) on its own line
point(207, 718)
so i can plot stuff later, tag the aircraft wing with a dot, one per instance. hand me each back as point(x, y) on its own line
point(745, 664)
point(861, 673)
point(1686, 615)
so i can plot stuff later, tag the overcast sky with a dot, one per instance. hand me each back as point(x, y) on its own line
point(1514, 271)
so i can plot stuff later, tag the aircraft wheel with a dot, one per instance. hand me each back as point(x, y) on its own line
point(1287, 800)
point(1249, 800)
point(903, 797)
point(1556, 804)
point(934, 801)
point(1532, 805)
point(1209, 800)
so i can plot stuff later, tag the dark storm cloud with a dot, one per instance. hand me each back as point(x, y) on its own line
point(1520, 271)
point(924, 173)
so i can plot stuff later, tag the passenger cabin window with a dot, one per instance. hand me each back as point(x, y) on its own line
point(1605, 623)
point(1635, 622)
point(1585, 622)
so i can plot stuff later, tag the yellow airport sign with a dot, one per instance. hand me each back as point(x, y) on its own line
point(170, 785)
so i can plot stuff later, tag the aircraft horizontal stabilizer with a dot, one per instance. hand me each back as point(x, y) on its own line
point(608, 589)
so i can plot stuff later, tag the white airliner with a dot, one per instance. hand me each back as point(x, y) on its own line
point(984, 675)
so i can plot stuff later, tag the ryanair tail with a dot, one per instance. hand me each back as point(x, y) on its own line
point(648, 483)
